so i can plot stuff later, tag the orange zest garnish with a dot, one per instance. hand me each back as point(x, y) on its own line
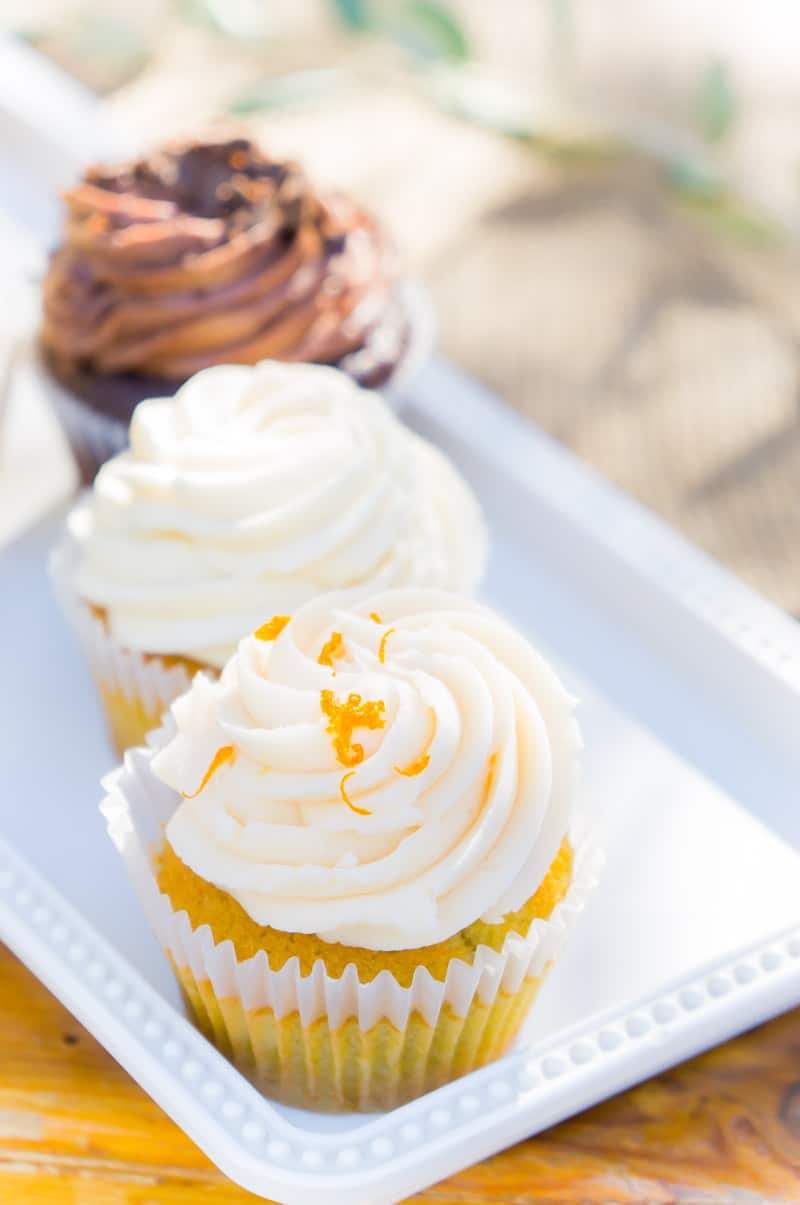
point(332, 649)
point(416, 767)
point(345, 717)
point(375, 617)
point(353, 806)
point(382, 649)
point(272, 629)
point(490, 773)
point(223, 755)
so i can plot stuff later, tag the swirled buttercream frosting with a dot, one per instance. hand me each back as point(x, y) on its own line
point(381, 773)
point(255, 489)
point(209, 253)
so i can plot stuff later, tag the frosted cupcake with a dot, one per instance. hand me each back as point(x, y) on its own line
point(249, 493)
point(209, 253)
point(355, 846)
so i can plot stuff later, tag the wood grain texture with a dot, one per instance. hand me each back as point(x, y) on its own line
point(74, 1128)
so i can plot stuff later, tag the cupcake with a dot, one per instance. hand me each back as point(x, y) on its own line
point(357, 845)
point(211, 253)
point(248, 493)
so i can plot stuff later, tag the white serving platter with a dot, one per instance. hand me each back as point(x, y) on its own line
point(691, 696)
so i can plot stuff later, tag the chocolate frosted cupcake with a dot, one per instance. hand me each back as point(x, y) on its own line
point(210, 253)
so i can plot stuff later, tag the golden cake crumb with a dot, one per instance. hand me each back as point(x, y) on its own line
point(206, 904)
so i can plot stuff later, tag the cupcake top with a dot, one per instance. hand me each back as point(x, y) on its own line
point(256, 489)
point(209, 253)
point(381, 773)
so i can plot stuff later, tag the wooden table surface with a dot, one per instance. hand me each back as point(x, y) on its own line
point(76, 1130)
point(664, 354)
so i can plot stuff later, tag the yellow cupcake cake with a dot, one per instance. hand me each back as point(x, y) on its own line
point(252, 491)
point(355, 845)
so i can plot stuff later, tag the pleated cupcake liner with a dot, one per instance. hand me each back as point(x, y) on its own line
point(93, 437)
point(329, 1042)
point(136, 689)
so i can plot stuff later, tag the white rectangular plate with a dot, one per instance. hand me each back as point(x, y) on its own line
point(692, 935)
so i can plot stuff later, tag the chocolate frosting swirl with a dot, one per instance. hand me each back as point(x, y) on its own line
point(210, 253)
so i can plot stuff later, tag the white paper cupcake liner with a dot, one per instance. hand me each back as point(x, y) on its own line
point(93, 437)
point(147, 685)
point(137, 809)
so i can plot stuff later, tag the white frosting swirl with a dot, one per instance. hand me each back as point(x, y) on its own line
point(476, 715)
point(254, 490)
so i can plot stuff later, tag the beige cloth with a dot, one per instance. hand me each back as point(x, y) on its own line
point(662, 351)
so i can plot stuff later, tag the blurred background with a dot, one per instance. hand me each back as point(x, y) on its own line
point(602, 197)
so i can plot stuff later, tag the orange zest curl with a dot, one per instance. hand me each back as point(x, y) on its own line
point(382, 649)
point(272, 629)
point(375, 617)
point(226, 754)
point(353, 806)
point(416, 767)
point(345, 717)
point(490, 774)
point(331, 650)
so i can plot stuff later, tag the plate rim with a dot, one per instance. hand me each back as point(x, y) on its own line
point(626, 529)
point(248, 1138)
point(389, 1156)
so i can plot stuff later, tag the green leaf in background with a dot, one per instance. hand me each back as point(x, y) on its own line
point(479, 96)
point(242, 20)
point(428, 30)
point(729, 215)
point(702, 188)
point(693, 179)
point(291, 91)
point(352, 13)
point(716, 104)
point(562, 34)
point(474, 94)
